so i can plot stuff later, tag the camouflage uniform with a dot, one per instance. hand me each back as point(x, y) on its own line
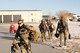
point(43, 28)
point(62, 29)
point(23, 34)
point(51, 29)
point(14, 47)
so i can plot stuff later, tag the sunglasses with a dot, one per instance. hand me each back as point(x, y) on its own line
point(19, 23)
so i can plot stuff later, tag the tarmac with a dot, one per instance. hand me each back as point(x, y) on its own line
point(6, 42)
point(46, 47)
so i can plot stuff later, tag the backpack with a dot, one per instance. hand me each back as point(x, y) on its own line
point(42, 27)
point(51, 27)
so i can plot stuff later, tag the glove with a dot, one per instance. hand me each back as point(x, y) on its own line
point(14, 42)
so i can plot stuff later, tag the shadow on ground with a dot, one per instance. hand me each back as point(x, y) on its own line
point(4, 33)
point(7, 37)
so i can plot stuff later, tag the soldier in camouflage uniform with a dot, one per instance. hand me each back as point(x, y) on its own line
point(62, 29)
point(51, 28)
point(43, 29)
point(23, 34)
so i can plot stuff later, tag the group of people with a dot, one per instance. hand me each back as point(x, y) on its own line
point(25, 34)
point(62, 30)
point(46, 26)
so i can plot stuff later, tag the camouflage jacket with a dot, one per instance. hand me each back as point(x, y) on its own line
point(17, 36)
point(62, 26)
point(51, 27)
point(43, 27)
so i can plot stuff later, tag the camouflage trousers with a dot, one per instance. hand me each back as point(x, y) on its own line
point(50, 35)
point(25, 48)
point(63, 38)
point(43, 36)
point(14, 48)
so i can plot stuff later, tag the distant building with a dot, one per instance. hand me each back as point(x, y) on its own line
point(45, 16)
point(48, 17)
point(7, 16)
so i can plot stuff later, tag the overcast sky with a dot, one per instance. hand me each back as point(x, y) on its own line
point(47, 6)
